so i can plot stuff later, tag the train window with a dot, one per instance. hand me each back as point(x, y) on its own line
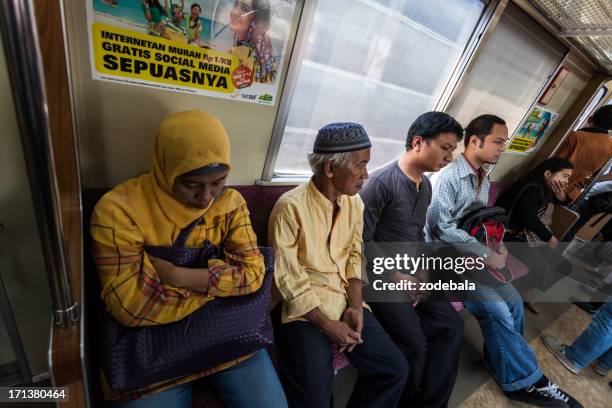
point(513, 65)
point(380, 63)
point(601, 92)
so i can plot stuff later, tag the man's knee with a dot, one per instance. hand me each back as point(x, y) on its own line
point(499, 313)
point(396, 365)
point(517, 310)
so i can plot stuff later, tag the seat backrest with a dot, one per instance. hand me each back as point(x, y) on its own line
point(261, 200)
point(563, 219)
point(593, 226)
point(497, 187)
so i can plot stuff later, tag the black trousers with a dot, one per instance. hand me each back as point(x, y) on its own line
point(306, 372)
point(430, 337)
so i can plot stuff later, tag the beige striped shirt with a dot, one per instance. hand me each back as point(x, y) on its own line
point(315, 255)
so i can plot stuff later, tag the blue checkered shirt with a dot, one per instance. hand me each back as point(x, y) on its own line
point(455, 193)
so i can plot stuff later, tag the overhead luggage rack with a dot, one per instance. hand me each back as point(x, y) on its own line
point(586, 23)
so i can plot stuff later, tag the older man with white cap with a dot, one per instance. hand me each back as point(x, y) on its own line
point(316, 230)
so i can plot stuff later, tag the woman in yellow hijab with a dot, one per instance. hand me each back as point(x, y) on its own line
point(184, 188)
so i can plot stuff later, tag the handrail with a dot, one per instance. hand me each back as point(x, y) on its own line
point(24, 62)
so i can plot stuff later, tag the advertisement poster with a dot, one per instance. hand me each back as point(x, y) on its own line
point(231, 49)
point(532, 132)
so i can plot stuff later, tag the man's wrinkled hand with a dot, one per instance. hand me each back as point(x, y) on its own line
point(354, 319)
point(341, 334)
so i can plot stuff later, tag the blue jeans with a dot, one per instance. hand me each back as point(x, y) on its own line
point(252, 383)
point(500, 315)
point(595, 342)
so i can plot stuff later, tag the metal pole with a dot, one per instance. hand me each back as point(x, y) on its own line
point(24, 62)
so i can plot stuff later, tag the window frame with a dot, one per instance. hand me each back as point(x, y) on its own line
point(488, 19)
point(584, 115)
point(602, 84)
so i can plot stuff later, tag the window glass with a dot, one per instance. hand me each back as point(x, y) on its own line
point(581, 122)
point(512, 67)
point(379, 63)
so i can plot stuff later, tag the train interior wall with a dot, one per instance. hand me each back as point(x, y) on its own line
point(116, 127)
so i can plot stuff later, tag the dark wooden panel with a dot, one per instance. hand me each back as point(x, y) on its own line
point(67, 365)
point(66, 351)
point(64, 149)
point(74, 390)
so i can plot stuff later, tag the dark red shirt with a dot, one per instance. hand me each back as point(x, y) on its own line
point(480, 173)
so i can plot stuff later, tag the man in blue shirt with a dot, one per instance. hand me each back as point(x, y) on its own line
point(458, 189)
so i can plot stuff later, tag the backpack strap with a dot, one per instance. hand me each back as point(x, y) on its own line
point(181, 240)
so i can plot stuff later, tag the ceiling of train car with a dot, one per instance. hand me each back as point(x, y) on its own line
point(588, 23)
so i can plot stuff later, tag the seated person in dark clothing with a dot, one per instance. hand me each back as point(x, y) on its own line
point(589, 149)
point(598, 200)
point(396, 198)
point(528, 203)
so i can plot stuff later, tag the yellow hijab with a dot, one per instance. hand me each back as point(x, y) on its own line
point(185, 141)
point(143, 209)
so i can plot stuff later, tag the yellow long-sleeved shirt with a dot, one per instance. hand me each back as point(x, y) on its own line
point(315, 256)
point(132, 290)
